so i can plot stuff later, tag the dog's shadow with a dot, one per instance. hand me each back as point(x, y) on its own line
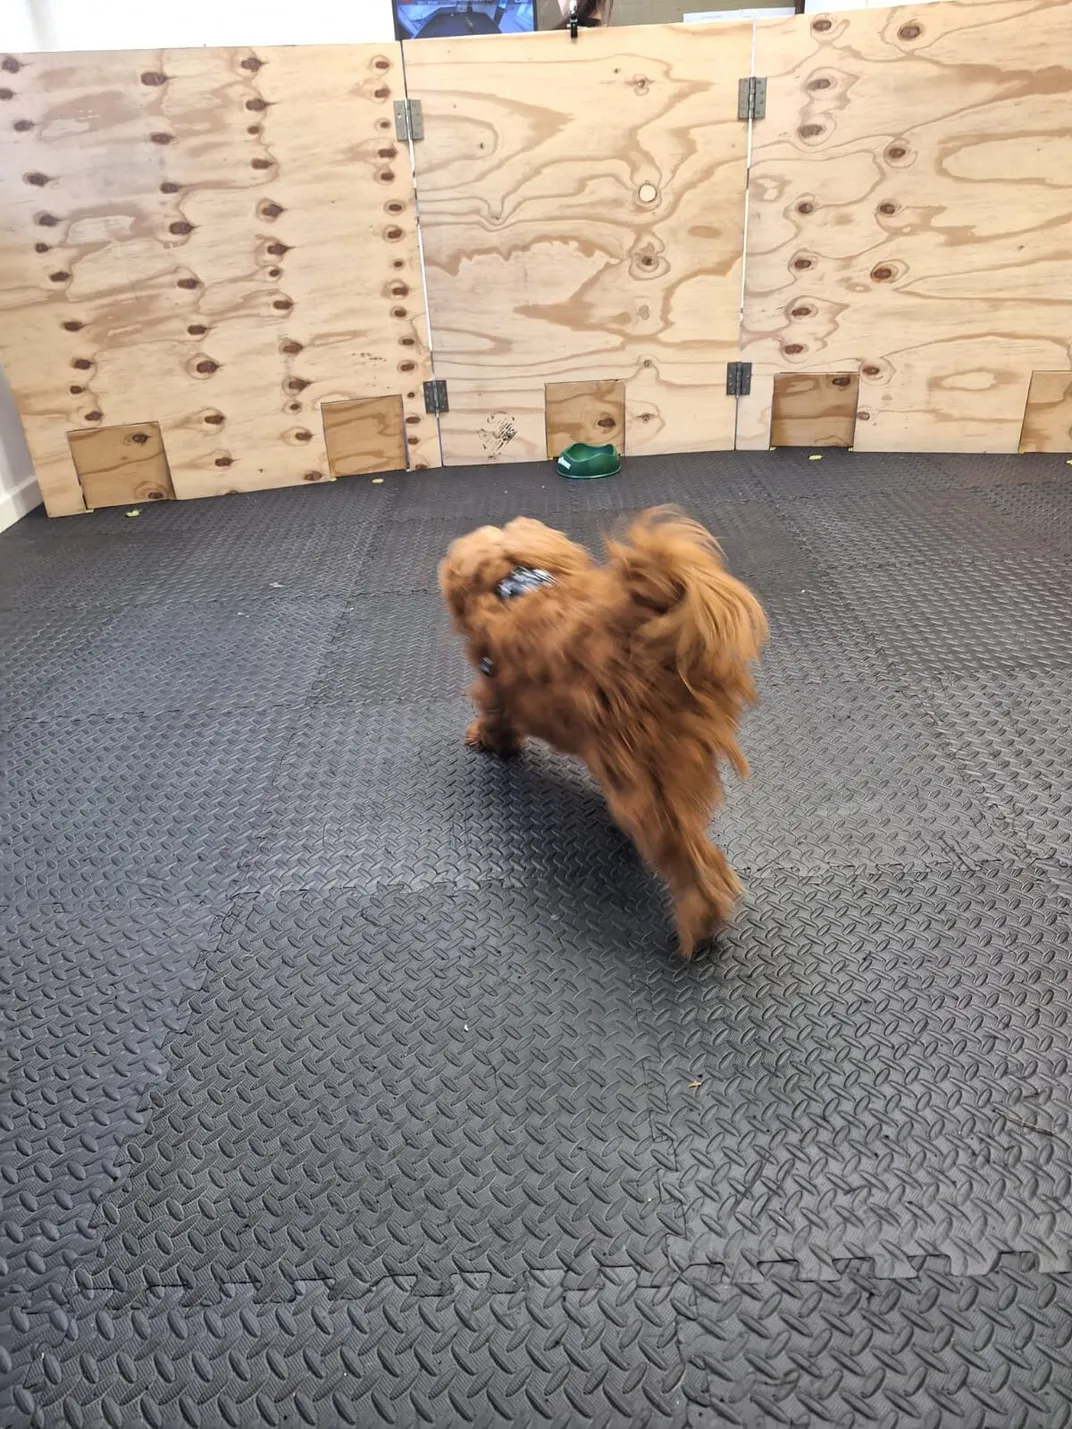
point(555, 836)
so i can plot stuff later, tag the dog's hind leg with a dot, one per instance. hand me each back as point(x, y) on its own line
point(667, 820)
point(492, 729)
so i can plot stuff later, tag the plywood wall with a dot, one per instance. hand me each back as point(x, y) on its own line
point(215, 241)
point(582, 211)
point(910, 216)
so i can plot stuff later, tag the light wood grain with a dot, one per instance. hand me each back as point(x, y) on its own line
point(592, 412)
point(582, 208)
point(910, 216)
point(228, 241)
point(1048, 415)
point(364, 436)
point(814, 410)
point(117, 466)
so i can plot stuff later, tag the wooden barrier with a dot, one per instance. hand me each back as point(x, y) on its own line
point(210, 277)
point(219, 242)
point(582, 214)
point(910, 217)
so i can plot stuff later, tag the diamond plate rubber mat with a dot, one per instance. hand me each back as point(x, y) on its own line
point(349, 1078)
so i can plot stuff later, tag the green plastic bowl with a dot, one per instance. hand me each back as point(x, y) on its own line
point(580, 462)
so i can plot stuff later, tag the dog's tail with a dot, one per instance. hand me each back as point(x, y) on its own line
point(704, 624)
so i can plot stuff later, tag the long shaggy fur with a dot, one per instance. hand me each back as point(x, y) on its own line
point(640, 666)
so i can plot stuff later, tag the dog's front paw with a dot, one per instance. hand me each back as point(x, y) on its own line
point(479, 736)
point(476, 736)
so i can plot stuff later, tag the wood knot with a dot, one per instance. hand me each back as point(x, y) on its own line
point(38, 180)
point(214, 419)
point(261, 163)
point(257, 105)
point(82, 363)
point(93, 416)
point(291, 348)
point(20, 126)
point(10, 65)
point(207, 366)
point(46, 220)
point(62, 276)
point(843, 381)
point(910, 32)
point(270, 210)
point(297, 384)
point(882, 274)
point(140, 438)
point(73, 326)
point(180, 227)
point(225, 461)
point(805, 207)
point(189, 283)
point(791, 349)
point(887, 208)
point(821, 26)
point(277, 250)
point(302, 435)
point(153, 77)
point(169, 188)
point(820, 82)
point(801, 312)
point(197, 329)
point(284, 305)
point(312, 476)
point(252, 63)
point(810, 131)
point(871, 370)
point(159, 137)
point(800, 264)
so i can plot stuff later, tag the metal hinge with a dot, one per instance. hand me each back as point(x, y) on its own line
point(751, 98)
point(435, 398)
point(409, 120)
point(738, 379)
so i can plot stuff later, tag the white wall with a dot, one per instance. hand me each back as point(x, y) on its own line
point(150, 24)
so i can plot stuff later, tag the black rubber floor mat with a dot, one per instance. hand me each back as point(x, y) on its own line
point(349, 1077)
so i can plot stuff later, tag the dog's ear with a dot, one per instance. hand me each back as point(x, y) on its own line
point(531, 543)
point(472, 567)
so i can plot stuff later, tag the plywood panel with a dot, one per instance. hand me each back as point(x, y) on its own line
point(910, 216)
point(119, 465)
point(221, 240)
point(364, 436)
point(1048, 416)
point(814, 410)
point(592, 412)
point(582, 206)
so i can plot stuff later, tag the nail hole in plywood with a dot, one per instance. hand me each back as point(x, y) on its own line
point(120, 465)
point(364, 435)
point(1048, 414)
point(592, 412)
point(814, 409)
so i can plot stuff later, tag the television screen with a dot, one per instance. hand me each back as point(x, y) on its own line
point(427, 19)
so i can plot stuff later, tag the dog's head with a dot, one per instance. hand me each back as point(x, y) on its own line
point(475, 564)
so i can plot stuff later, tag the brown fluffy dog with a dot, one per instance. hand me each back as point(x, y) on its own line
point(641, 667)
